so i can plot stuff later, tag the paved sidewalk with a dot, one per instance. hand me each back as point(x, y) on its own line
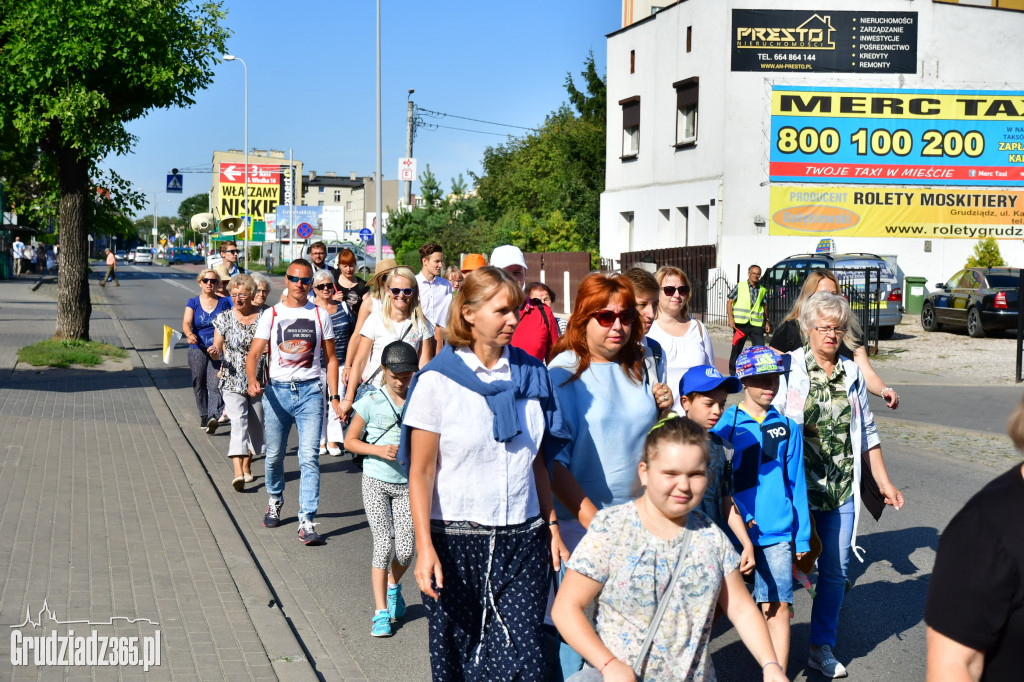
point(105, 517)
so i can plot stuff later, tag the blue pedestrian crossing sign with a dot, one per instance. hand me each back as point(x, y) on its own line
point(174, 183)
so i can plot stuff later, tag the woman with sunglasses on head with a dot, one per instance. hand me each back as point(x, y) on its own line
point(342, 320)
point(235, 329)
point(203, 356)
point(398, 319)
point(685, 340)
point(608, 404)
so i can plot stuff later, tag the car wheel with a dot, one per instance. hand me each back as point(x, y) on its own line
point(974, 327)
point(885, 333)
point(928, 320)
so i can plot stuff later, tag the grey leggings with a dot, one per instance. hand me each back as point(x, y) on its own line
point(387, 504)
point(205, 384)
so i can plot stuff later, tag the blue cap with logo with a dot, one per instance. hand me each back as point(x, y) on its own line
point(705, 378)
point(759, 360)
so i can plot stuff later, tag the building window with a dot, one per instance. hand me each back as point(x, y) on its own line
point(630, 127)
point(320, 189)
point(348, 205)
point(320, 203)
point(689, 38)
point(686, 112)
point(348, 225)
point(337, 195)
point(632, 61)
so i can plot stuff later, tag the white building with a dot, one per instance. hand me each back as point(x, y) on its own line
point(693, 155)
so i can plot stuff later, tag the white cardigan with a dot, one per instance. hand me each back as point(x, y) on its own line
point(794, 387)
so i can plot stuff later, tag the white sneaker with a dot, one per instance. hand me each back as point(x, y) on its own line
point(824, 662)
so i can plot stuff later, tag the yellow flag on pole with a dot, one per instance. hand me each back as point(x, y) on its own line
point(171, 337)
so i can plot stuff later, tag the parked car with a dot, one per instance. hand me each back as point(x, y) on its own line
point(981, 300)
point(181, 254)
point(142, 256)
point(784, 280)
point(120, 255)
point(131, 255)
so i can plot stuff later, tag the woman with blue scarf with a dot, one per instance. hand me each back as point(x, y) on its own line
point(474, 424)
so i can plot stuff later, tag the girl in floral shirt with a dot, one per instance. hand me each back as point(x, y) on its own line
point(626, 561)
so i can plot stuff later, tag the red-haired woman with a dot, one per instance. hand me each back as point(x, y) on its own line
point(608, 403)
point(685, 340)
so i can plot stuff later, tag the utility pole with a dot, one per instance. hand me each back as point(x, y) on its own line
point(378, 225)
point(409, 132)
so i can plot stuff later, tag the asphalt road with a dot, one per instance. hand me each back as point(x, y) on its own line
point(881, 632)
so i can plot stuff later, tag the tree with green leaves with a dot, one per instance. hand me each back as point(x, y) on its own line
point(986, 254)
point(190, 206)
point(73, 74)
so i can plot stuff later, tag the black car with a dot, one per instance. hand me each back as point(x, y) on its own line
point(982, 300)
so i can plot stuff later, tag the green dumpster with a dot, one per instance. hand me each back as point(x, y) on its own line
point(913, 294)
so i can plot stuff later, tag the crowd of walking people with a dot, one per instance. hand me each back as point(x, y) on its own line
point(534, 464)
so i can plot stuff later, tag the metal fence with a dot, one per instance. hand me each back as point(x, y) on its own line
point(696, 262)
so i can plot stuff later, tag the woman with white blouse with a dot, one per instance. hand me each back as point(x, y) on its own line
point(479, 488)
point(685, 340)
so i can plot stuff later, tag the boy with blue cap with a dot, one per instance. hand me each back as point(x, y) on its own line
point(702, 393)
point(769, 487)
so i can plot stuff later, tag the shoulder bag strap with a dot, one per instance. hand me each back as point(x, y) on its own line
point(401, 338)
point(662, 604)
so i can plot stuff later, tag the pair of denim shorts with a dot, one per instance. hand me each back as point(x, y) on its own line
point(773, 573)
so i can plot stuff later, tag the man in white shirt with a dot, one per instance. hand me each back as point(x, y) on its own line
point(302, 334)
point(18, 254)
point(435, 290)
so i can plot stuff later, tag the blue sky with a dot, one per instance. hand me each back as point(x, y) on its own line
point(312, 84)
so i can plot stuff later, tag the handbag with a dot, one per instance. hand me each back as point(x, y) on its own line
point(595, 675)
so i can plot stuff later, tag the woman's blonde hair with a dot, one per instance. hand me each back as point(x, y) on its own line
point(479, 286)
point(419, 322)
point(1016, 427)
point(666, 271)
point(243, 280)
point(811, 284)
point(202, 273)
point(452, 270)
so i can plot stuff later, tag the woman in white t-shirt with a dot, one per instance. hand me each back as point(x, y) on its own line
point(400, 318)
point(685, 340)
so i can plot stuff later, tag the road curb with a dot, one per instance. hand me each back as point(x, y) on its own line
point(284, 648)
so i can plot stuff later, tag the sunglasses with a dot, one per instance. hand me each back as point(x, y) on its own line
point(606, 318)
point(231, 251)
point(683, 290)
point(302, 280)
point(323, 287)
point(405, 292)
point(209, 280)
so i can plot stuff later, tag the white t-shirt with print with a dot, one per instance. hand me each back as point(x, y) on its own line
point(295, 339)
point(375, 330)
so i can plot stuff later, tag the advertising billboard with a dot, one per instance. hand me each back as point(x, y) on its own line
point(908, 212)
point(264, 189)
point(824, 41)
point(894, 136)
point(290, 218)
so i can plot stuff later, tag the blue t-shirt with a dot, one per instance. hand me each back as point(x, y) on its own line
point(609, 416)
point(202, 321)
point(383, 427)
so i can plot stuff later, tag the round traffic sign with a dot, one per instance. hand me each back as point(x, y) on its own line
point(366, 234)
point(304, 230)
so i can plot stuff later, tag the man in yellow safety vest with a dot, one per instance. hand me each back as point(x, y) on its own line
point(746, 309)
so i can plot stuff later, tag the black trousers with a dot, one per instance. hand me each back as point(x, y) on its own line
point(756, 336)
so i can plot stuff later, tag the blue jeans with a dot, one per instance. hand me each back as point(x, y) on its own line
point(301, 404)
point(835, 528)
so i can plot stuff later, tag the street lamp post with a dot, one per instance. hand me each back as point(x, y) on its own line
point(245, 235)
point(379, 223)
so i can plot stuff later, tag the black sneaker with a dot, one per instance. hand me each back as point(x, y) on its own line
point(272, 519)
point(203, 422)
point(308, 534)
point(211, 425)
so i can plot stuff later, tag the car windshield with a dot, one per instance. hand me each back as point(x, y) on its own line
point(1002, 281)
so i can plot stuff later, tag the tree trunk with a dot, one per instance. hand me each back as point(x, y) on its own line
point(73, 304)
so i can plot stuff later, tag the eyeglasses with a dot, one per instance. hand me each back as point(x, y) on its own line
point(606, 318)
point(323, 287)
point(404, 292)
point(209, 280)
point(683, 290)
point(303, 280)
point(230, 250)
point(825, 331)
point(239, 295)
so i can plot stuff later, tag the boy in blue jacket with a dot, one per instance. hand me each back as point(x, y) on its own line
point(769, 487)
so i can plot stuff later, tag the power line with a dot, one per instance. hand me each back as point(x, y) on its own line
point(434, 126)
point(439, 114)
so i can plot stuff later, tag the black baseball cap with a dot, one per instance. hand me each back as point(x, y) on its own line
point(398, 356)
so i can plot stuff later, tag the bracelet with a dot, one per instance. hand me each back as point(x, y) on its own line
point(887, 388)
point(553, 523)
point(601, 669)
point(771, 663)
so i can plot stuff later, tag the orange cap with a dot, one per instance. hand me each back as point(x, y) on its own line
point(472, 261)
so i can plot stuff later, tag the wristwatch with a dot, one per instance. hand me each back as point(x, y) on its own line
point(335, 397)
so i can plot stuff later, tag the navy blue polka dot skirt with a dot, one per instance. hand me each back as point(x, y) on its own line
point(487, 624)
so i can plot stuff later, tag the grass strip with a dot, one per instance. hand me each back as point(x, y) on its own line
point(65, 352)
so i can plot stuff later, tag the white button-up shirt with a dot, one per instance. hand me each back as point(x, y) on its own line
point(435, 298)
point(478, 479)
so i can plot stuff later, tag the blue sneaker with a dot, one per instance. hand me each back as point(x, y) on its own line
point(396, 604)
point(308, 534)
point(381, 624)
